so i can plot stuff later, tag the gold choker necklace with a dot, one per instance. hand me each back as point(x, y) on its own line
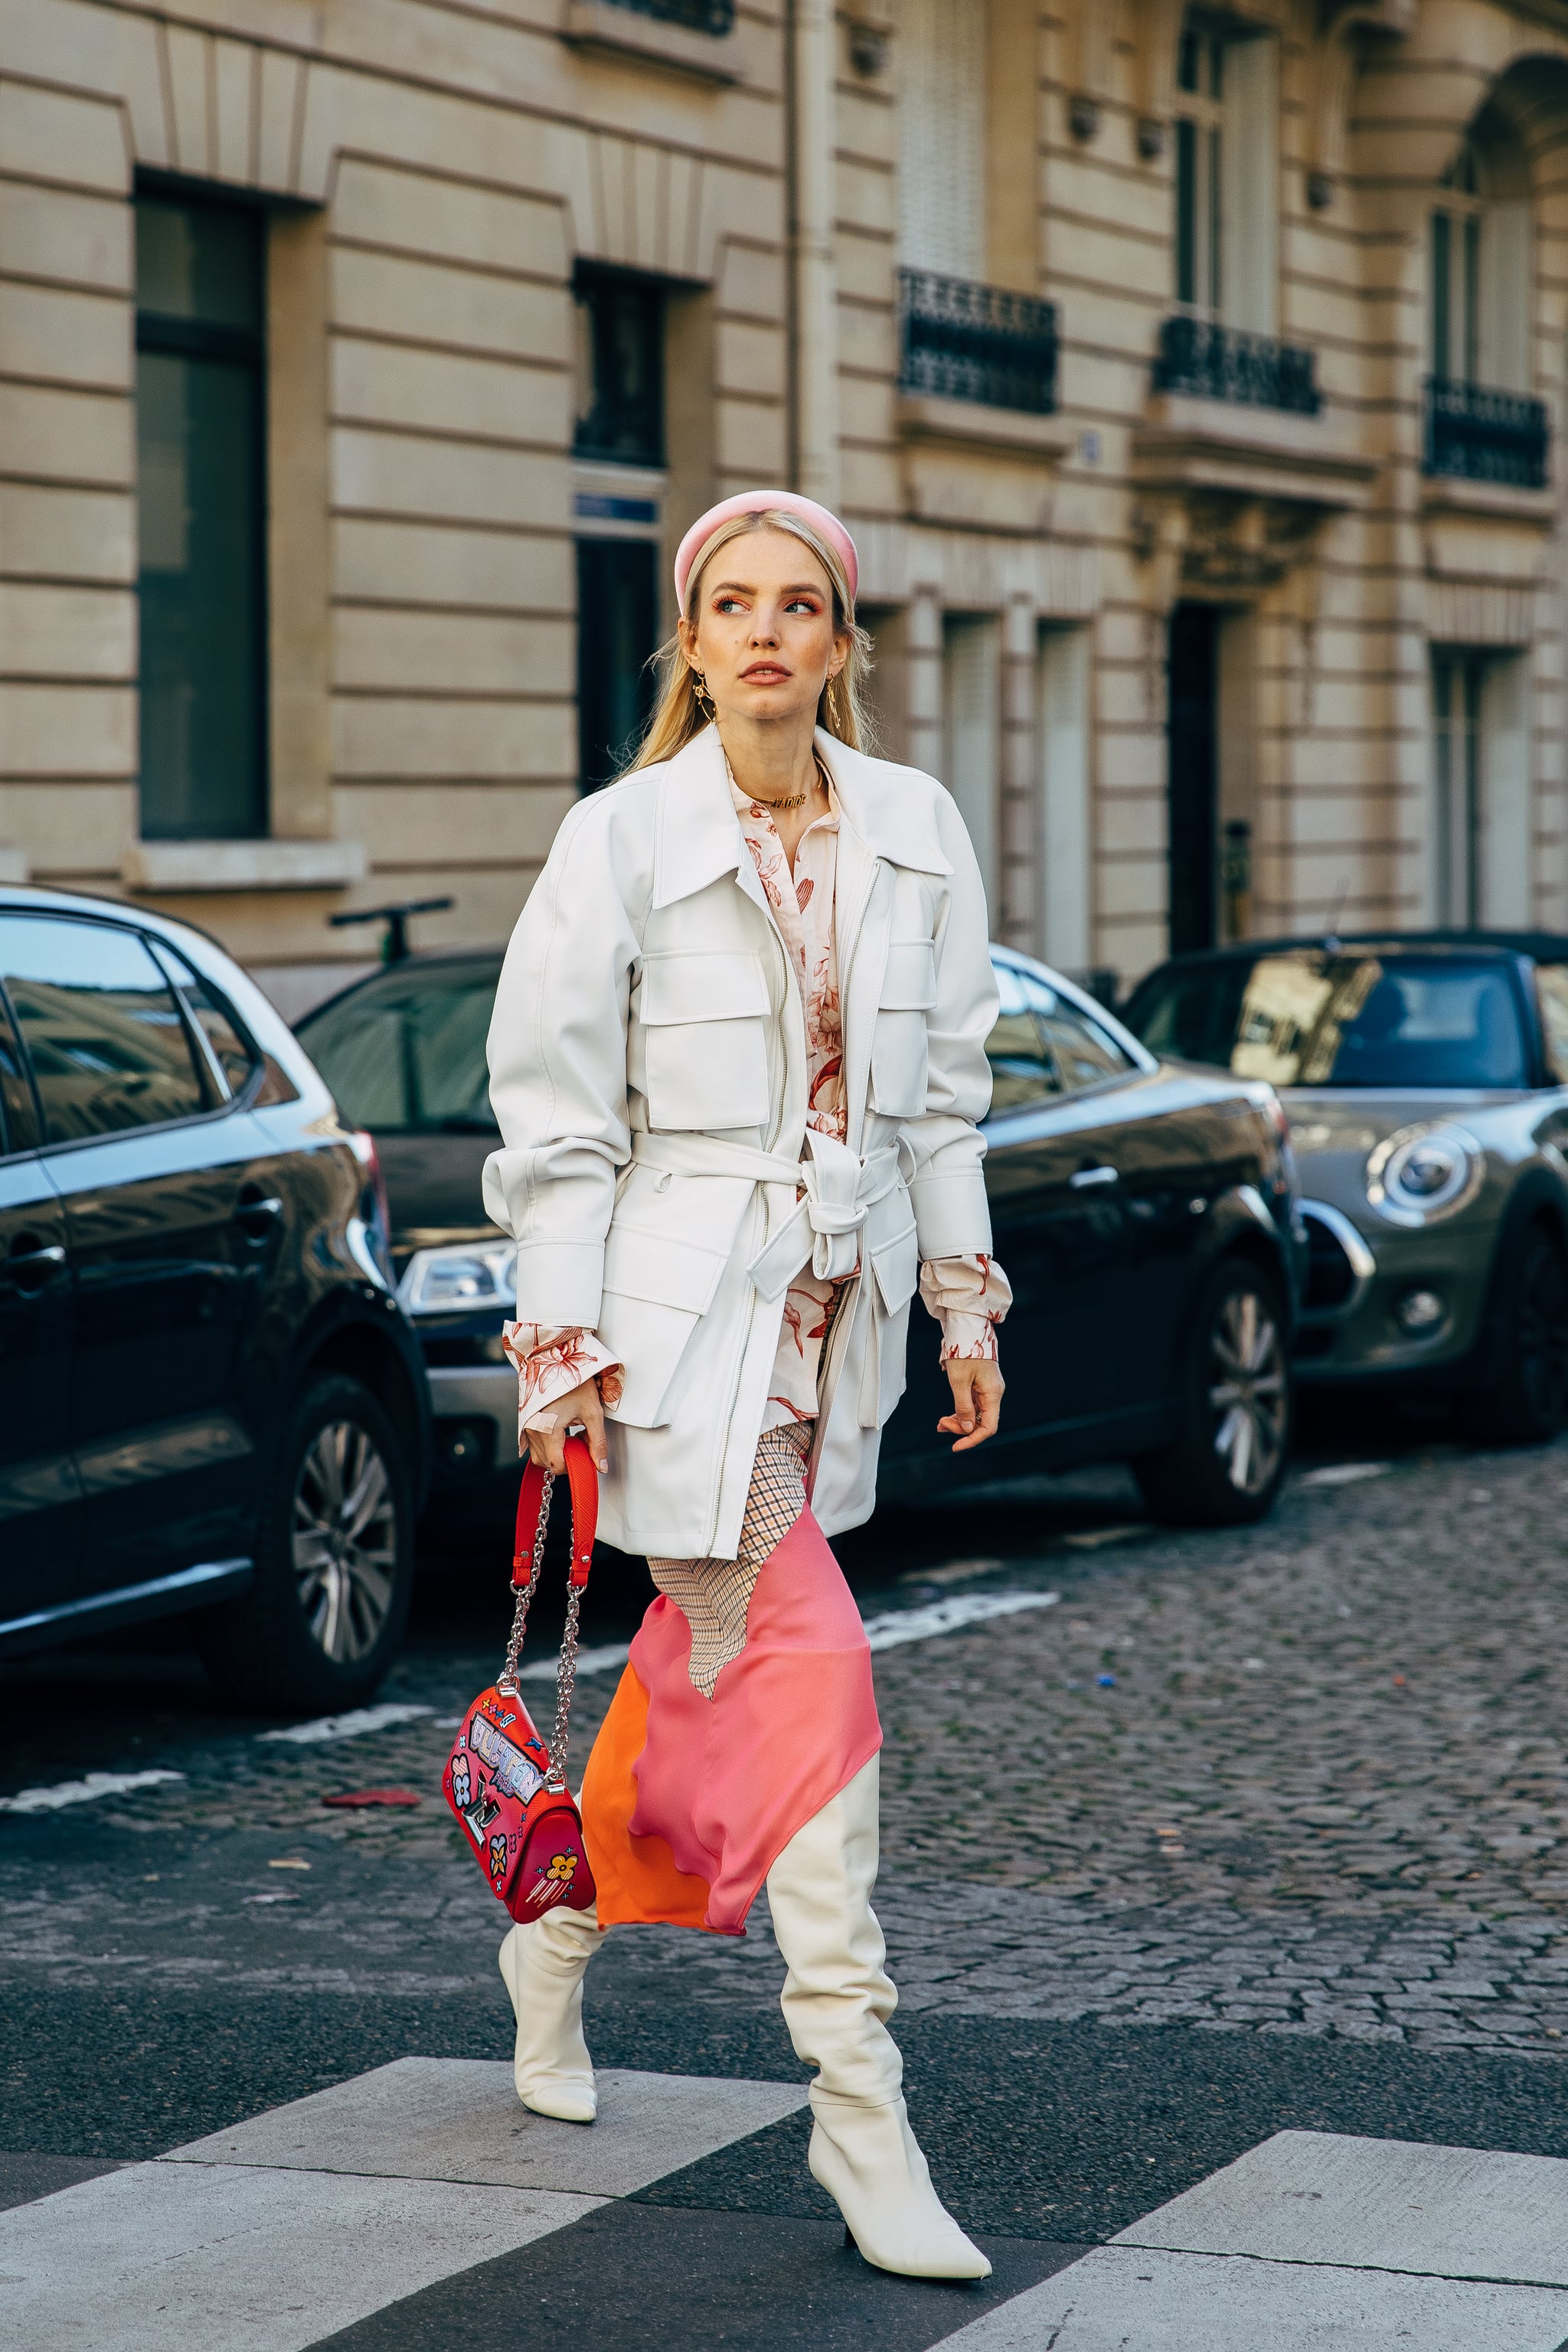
point(797, 800)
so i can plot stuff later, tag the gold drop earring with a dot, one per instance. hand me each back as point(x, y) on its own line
point(704, 700)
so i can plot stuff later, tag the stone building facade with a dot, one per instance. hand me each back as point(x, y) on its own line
point(1189, 377)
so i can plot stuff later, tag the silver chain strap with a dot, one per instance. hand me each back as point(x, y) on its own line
point(566, 1673)
point(565, 1677)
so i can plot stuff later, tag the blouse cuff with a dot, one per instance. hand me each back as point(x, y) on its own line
point(968, 1296)
point(552, 1361)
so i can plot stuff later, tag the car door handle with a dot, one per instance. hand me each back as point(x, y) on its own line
point(32, 1266)
point(1082, 1178)
point(258, 1216)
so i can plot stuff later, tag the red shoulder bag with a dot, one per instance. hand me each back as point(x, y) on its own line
point(507, 1789)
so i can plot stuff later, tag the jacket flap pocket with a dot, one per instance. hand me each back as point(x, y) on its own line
point(685, 985)
point(897, 1266)
point(909, 982)
point(640, 1264)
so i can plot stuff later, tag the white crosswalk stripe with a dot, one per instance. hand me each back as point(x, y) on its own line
point(273, 2234)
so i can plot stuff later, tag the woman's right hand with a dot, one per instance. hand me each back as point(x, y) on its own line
point(548, 1446)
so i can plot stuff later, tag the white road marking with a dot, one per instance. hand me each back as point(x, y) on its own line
point(347, 1727)
point(949, 1616)
point(1343, 1474)
point(884, 1633)
point(82, 1792)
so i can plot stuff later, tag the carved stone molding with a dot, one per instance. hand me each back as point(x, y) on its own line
point(1220, 546)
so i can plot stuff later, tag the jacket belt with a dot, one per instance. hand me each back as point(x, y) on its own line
point(840, 1189)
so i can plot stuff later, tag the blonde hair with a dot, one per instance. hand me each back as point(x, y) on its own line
point(678, 716)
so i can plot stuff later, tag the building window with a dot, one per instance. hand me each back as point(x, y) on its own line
point(1227, 177)
point(617, 630)
point(201, 509)
point(1456, 256)
point(1200, 164)
point(942, 137)
point(971, 742)
point(1481, 797)
point(1478, 248)
point(620, 368)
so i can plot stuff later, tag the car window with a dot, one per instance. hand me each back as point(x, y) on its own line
point(406, 1051)
point(1551, 993)
point(18, 1119)
point(109, 1047)
point(1022, 1071)
point(233, 1053)
point(1312, 1018)
point(1085, 1054)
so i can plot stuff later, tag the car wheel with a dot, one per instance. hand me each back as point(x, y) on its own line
point(1236, 1407)
point(324, 1613)
point(1525, 1402)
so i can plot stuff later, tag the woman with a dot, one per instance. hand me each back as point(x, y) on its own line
point(737, 1058)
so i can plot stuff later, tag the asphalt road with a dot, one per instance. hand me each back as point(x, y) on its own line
point(1239, 1834)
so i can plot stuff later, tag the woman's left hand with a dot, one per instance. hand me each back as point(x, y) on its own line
point(977, 1386)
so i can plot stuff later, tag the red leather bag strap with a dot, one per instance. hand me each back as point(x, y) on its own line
point(584, 1481)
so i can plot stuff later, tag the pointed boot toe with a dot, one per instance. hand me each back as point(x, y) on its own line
point(567, 2097)
point(870, 2164)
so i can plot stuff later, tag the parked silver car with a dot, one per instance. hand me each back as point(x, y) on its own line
point(1425, 1079)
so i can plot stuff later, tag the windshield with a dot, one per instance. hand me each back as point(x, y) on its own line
point(406, 1051)
point(1312, 1019)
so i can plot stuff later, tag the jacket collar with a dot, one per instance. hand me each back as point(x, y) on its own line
point(891, 808)
point(699, 835)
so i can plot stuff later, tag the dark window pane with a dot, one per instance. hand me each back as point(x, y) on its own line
point(407, 1052)
point(1021, 1071)
point(18, 1120)
point(1085, 1054)
point(198, 261)
point(617, 630)
point(1442, 270)
point(620, 395)
point(230, 1048)
point(200, 493)
point(1187, 211)
point(108, 1045)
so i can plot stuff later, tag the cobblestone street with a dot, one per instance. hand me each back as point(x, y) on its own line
point(1305, 1780)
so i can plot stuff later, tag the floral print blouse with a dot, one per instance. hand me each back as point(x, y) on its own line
point(968, 1295)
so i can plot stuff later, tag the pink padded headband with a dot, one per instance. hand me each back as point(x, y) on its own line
point(826, 525)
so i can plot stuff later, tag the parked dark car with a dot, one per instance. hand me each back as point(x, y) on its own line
point(210, 1399)
point(1145, 1214)
point(1426, 1078)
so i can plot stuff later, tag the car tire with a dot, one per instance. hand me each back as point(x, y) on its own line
point(324, 1613)
point(1234, 1404)
point(1524, 1400)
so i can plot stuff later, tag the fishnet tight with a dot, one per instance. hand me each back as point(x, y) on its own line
point(714, 1595)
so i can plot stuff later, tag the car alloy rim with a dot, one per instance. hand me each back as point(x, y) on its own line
point(1248, 1400)
point(345, 1541)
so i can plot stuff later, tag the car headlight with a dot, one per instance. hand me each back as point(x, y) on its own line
point(460, 1276)
point(1421, 1173)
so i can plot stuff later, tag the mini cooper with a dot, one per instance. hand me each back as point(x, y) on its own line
point(1425, 1078)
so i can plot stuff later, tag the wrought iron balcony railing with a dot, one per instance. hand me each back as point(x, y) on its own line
point(717, 17)
point(964, 342)
point(1485, 437)
point(1216, 362)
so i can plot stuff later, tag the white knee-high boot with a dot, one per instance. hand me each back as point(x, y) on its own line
point(838, 1996)
point(543, 1968)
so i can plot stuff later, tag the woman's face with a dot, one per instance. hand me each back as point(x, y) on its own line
point(763, 637)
